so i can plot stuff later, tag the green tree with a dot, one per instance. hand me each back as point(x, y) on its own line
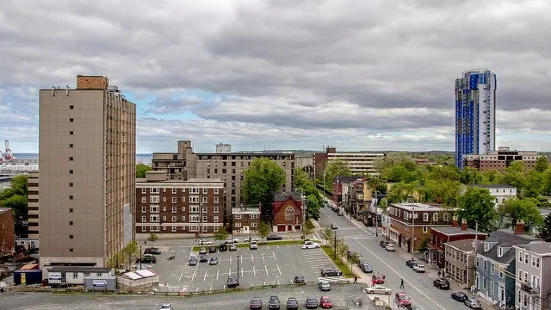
point(15, 196)
point(526, 209)
point(141, 169)
point(328, 235)
point(545, 230)
point(515, 176)
point(221, 235)
point(534, 184)
point(263, 178)
point(18, 204)
point(547, 181)
point(302, 183)
point(335, 168)
point(471, 176)
point(308, 228)
point(264, 230)
point(542, 164)
point(384, 204)
point(152, 237)
point(424, 246)
point(477, 205)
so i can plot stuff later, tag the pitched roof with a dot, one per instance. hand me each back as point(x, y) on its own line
point(504, 238)
point(283, 196)
point(465, 245)
point(539, 247)
point(495, 186)
point(450, 230)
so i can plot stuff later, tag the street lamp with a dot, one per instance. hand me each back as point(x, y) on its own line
point(335, 249)
point(238, 259)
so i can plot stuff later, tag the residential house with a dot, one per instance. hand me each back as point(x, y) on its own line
point(7, 231)
point(356, 199)
point(460, 261)
point(533, 277)
point(246, 219)
point(495, 264)
point(341, 189)
point(439, 236)
point(414, 220)
point(288, 212)
point(500, 192)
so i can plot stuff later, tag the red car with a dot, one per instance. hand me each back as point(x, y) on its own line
point(325, 302)
point(402, 299)
point(378, 279)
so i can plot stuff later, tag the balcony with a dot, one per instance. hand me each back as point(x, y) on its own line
point(527, 288)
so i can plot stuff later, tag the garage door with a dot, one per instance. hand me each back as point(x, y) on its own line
point(280, 227)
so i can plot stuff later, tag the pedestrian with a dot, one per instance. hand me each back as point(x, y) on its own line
point(439, 273)
point(355, 279)
point(401, 283)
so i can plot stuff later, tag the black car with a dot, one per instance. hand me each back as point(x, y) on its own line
point(410, 263)
point(203, 259)
point(442, 283)
point(274, 237)
point(273, 303)
point(223, 248)
point(459, 296)
point(299, 280)
point(330, 271)
point(311, 303)
point(256, 303)
point(292, 303)
point(212, 249)
point(383, 243)
point(147, 259)
point(154, 251)
point(232, 282)
point(366, 268)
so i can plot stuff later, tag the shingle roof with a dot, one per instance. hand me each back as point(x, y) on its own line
point(504, 238)
point(450, 230)
point(464, 245)
point(86, 269)
point(539, 247)
point(346, 180)
point(283, 196)
point(495, 185)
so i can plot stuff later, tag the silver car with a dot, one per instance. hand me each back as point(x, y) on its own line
point(325, 286)
point(473, 303)
point(378, 289)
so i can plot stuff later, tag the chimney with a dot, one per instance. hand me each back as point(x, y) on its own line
point(455, 223)
point(519, 228)
point(464, 224)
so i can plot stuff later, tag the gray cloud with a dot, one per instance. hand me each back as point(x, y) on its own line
point(379, 70)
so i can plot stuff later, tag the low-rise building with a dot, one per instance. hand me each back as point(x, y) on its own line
point(501, 159)
point(192, 207)
point(246, 219)
point(288, 212)
point(5, 182)
point(92, 278)
point(410, 223)
point(7, 231)
point(533, 276)
point(439, 236)
point(500, 192)
point(460, 262)
point(496, 265)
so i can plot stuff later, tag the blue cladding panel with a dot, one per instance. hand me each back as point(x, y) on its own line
point(473, 81)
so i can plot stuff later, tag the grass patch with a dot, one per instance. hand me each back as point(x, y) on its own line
point(346, 271)
point(246, 245)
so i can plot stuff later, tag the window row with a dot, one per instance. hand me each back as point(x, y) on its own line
point(192, 199)
point(154, 228)
point(174, 209)
point(193, 190)
point(174, 219)
point(252, 216)
point(528, 258)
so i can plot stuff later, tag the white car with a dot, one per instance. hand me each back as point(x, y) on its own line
point(419, 268)
point(249, 239)
point(230, 241)
point(310, 245)
point(253, 245)
point(204, 242)
point(390, 248)
point(192, 254)
point(166, 307)
point(378, 289)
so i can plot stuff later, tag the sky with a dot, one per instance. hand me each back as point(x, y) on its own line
point(356, 75)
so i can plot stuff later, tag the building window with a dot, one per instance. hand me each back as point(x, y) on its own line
point(144, 218)
point(215, 220)
point(70, 223)
point(183, 218)
point(519, 275)
point(183, 199)
point(492, 287)
point(154, 209)
point(425, 217)
point(154, 199)
point(144, 190)
point(526, 258)
point(216, 191)
point(70, 184)
point(174, 219)
point(173, 199)
point(71, 133)
point(205, 199)
point(215, 199)
point(70, 146)
point(71, 107)
point(425, 229)
point(174, 209)
point(537, 262)
point(435, 217)
point(71, 251)
point(194, 218)
point(164, 199)
point(70, 171)
point(193, 199)
point(144, 199)
point(164, 208)
point(289, 213)
point(205, 219)
point(237, 216)
point(154, 228)
point(70, 210)
point(205, 191)
point(253, 225)
point(173, 191)
point(71, 158)
point(173, 228)
point(237, 225)
point(254, 216)
point(71, 120)
point(194, 190)
point(492, 268)
point(144, 229)
point(193, 209)
point(70, 236)
point(154, 190)
point(71, 197)
point(154, 218)
point(183, 209)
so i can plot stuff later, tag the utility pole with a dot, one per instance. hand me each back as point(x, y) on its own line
point(140, 258)
point(335, 249)
point(412, 231)
point(200, 221)
point(376, 215)
point(475, 258)
point(238, 265)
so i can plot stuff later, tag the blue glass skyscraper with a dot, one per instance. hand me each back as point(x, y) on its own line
point(475, 114)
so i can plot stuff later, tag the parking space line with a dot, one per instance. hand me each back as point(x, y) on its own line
point(254, 271)
point(274, 255)
point(292, 282)
point(277, 246)
point(196, 290)
point(266, 268)
point(217, 273)
point(205, 277)
point(252, 258)
point(277, 282)
point(264, 282)
point(263, 257)
point(241, 272)
point(230, 260)
point(278, 270)
point(181, 275)
point(193, 276)
point(210, 288)
point(268, 247)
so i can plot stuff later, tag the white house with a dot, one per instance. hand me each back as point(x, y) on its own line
point(500, 192)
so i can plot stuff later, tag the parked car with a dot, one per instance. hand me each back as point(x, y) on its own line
point(310, 245)
point(390, 248)
point(378, 278)
point(204, 242)
point(203, 259)
point(472, 303)
point(253, 245)
point(232, 282)
point(166, 307)
point(193, 261)
point(292, 303)
point(311, 303)
point(203, 251)
point(325, 302)
point(274, 237)
point(410, 263)
point(330, 271)
point(147, 259)
point(213, 261)
point(419, 268)
point(273, 303)
point(459, 296)
point(249, 239)
point(212, 249)
point(325, 286)
point(154, 251)
point(383, 243)
point(378, 289)
point(230, 241)
point(441, 283)
point(402, 299)
point(233, 247)
point(222, 248)
point(299, 280)
point(366, 268)
point(334, 226)
point(256, 303)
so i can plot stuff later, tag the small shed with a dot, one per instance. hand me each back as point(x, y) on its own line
point(139, 280)
point(92, 278)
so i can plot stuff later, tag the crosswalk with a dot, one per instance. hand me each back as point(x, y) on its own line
point(317, 260)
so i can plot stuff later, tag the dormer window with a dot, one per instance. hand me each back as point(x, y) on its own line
point(486, 246)
point(499, 252)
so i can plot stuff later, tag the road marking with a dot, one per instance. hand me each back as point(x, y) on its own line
point(210, 288)
point(292, 282)
point(278, 270)
point(186, 264)
point(264, 282)
point(193, 276)
point(413, 286)
point(196, 290)
point(229, 272)
point(241, 259)
point(205, 277)
point(241, 272)
point(252, 258)
point(274, 255)
point(266, 268)
point(268, 247)
point(263, 257)
point(230, 260)
point(277, 282)
point(181, 275)
point(277, 246)
point(254, 271)
point(217, 273)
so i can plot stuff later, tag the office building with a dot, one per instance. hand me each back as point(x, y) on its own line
point(501, 159)
point(87, 173)
point(358, 162)
point(475, 114)
point(223, 148)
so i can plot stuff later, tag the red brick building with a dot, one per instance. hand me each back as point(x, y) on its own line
point(246, 219)
point(7, 233)
point(288, 213)
point(439, 236)
point(188, 207)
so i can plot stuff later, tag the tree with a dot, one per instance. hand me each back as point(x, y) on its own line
point(384, 204)
point(424, 246)
point(221, 235)
point(18, 204)
point(264, 230)
point(477, 205)
point(545, 231)
point(15, 196)
point(328, 235)
point(263, 178)
point(335, 168)
point(303, 184)
point(525, 209)
point(542, 164)
point(308, 228)
point(470, 176)
point(152, 237)
point(141, 169)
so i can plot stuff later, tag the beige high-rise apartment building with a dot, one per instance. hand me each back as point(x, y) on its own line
point(87, 173)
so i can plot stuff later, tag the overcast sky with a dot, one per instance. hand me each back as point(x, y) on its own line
point(287, 74)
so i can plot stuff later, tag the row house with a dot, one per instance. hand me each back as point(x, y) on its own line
point(460, 261)
point(246, 219)
point(188, 207)
point(496, 265)
point(439, 236)
point(410, 223)
point(288, 210)
point(533, 276)
point(341, 189)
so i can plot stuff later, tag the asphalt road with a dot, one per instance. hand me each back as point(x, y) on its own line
point(343, 296)
point(417, 285)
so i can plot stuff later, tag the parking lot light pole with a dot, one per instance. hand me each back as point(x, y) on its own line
point(140, 257)
point(238, 265)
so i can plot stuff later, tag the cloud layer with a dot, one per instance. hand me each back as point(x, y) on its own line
point(358, 75)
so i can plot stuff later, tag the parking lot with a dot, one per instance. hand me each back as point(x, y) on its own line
point(269, 265)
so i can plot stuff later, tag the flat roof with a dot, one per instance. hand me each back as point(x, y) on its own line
point(421, 207)
point(86, 269)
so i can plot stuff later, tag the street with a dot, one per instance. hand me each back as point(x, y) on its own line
point(417, 285)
